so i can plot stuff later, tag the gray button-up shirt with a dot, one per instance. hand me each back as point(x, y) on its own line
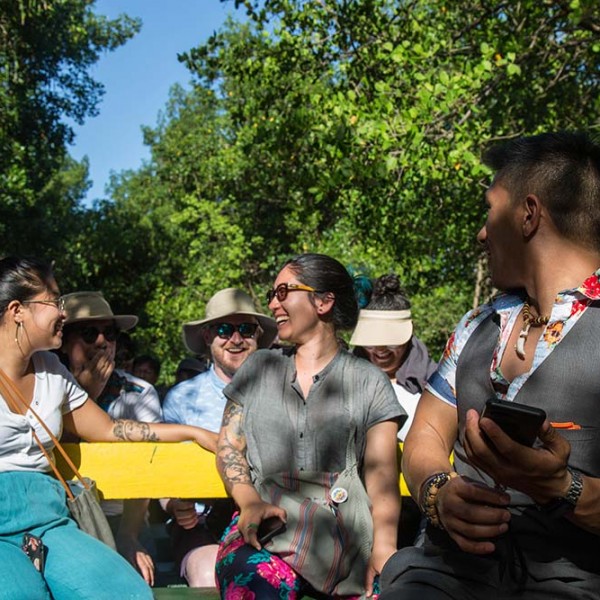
point(285, 431)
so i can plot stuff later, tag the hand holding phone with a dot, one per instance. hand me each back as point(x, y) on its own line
point(519, 421)
point(269, 528)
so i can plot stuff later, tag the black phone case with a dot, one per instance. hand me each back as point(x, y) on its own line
point(34, 548)
point(519, 421)
point(269, 528)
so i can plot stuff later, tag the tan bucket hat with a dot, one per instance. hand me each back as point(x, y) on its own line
point(92, 306)
point(382, 328)
point(225, 303)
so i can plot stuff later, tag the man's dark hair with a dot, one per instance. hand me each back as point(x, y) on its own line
point(563, 171)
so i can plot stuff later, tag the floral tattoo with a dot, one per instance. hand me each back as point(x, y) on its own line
point(231, 452)
point(133, 431)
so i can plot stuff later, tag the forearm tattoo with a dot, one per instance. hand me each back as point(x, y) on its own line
point(133, 431)
point(231, 452)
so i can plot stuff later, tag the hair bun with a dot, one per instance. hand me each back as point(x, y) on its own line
point(386, 285)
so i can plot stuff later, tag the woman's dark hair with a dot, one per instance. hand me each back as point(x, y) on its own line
point(22, 278)
point(388, 294)
point(326, 274)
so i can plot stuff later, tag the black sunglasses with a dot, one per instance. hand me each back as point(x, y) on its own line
point(283, 289)
point(90, 333)
point(226, 330)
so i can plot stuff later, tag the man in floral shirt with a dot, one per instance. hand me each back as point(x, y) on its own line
point(508, 518)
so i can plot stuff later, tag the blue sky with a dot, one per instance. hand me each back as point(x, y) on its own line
point(137, 78)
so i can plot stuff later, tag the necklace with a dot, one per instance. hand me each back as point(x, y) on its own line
point(528, 323)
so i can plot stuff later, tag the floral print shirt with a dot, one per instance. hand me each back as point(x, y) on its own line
point(568, 307)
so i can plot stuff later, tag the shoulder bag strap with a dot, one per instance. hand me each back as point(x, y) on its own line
point(14, 397)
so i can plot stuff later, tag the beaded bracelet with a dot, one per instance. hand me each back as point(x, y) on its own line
point(428, 496)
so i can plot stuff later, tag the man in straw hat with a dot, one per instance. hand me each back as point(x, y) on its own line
point(231, 330)
point(89, 344)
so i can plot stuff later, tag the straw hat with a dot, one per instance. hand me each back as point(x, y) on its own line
point(92, 306)
point(382, 328)
point(226, 303)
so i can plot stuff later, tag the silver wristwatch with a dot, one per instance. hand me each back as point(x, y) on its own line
point(562, 505)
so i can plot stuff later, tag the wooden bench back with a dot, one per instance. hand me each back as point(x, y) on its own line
point(150, 470)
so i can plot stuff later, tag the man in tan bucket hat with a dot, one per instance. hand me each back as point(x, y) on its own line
point(231, 330)
point(89, 345)
point(231, 307)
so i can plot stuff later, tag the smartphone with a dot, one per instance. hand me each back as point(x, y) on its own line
point(36, 551)
point(269, 528)
point(519, 421)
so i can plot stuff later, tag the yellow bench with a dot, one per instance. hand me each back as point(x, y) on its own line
point(152, 470)
point(149, 470)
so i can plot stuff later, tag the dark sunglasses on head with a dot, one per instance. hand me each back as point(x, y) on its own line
point(283, 289)
point(226, 330)
point(90, 333)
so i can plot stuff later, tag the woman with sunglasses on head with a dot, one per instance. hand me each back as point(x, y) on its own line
point(32, 502)
point(310, 408)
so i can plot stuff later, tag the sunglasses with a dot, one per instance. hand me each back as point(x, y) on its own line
point(226, 330)
point(283, 289)
point(90, 333)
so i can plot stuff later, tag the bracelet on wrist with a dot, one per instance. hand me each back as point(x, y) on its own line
point(428, 496)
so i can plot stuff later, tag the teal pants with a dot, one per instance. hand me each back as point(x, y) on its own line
point(77, 565)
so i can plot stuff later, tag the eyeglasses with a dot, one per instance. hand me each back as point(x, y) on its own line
point(58, 303)
point(283, 289)
point(90, 333)
point(226, 330)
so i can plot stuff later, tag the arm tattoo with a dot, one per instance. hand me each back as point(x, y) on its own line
point(133, 431)
point(232, 412)
point(231, 453)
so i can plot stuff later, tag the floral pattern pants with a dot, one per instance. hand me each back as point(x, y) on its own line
point(245, 573)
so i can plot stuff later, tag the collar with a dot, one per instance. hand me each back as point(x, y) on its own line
point(590, 288)
point(112, 390)
point(214, 378)
point(322, 373)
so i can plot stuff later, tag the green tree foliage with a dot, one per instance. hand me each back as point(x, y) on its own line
point(353, 128)
point(46, 50)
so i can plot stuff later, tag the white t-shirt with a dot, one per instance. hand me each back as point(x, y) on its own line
point(409, 403)
point(55, 393)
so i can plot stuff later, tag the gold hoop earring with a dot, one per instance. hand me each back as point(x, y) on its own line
point(19, 329)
